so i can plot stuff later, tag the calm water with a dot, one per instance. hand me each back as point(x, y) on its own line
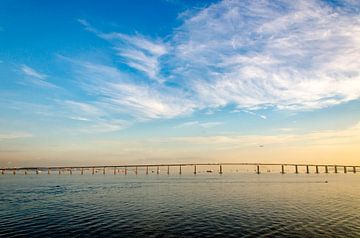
point(246, 205)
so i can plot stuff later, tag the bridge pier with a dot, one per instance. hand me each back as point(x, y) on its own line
point(282, 169)
point(354, 169)
point(157, 170)
point(93, 171)
point(220, 171)
point(25, 172)
point(317, 169)
point(114, 170)
point(2, 172)
point(326, 169)
point(345, 170)
point(296, 169)
point(168, 170)
point(307, 169)
point(14, 172)
point(180, 169)
point(335, 169)
point(48, 171)
point(70, 171)
point(257, 169)
point(82, 171)
point(125, 170)
point(136, 170)
point(147, 170)
point(37, 171)
point(194, 169)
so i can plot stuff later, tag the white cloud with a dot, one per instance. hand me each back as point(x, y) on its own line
point(117, 92)
point(136, 51)
point(32, 72)
point(291, 54)
point(36, 78)
point(296, 55)
point(198, 124)
point(102, 126)
point(14, 135)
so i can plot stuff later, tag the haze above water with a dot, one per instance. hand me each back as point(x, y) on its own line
point(206, 205)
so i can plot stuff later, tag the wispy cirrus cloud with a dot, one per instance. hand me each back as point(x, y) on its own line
point(136, 51)
point(296, 55)
point(291, 54)
point(118, 92)
point(15, 135)
point(32, 72)
point(36, 77)
point(192, 124)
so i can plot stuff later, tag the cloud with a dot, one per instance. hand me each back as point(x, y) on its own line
point(102, 126)
point(291, 54)
point(349, 136)
point(36, 77)
point(118, 92)
point(136, 51)
point(288, 55)
point(32, 72)
point(18, 135)
point(198, 124)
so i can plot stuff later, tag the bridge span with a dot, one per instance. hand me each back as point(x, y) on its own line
point(220, 168)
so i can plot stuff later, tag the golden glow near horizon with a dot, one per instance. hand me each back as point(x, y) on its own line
point(330, 146)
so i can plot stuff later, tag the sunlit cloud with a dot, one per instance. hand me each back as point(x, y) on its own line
point(15, 135)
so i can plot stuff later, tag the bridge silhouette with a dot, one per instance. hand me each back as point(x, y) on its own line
point(115, 169)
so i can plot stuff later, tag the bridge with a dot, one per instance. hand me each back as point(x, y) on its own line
point(220, 168)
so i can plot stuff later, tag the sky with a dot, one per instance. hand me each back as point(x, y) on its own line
point(115, 82)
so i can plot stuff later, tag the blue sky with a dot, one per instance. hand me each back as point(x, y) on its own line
point(140, 81)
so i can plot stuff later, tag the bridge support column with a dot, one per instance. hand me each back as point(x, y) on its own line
point(37, 171)
point(180, 169)
point(59, 171)
point(14, 172)
point(82, 171)
point(136, 170)
point(48, 171)
point(307, 169)
point(70, 171)
point(326, 169)
point(157, 170)
point(125, 170)
point(282, 169)
point(220, 171)
point(354, 169)
point(114, 170)
point(93, 171)
point(168, 170)
point(345, 170)
point(317, 169)
point(25, 172)
point(194, 169)
point(335, 169)
point(296, 169)
point(147, 170)
point(2, 172)
point(257, 169)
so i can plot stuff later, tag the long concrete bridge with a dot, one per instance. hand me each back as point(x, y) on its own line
point(115, 169)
